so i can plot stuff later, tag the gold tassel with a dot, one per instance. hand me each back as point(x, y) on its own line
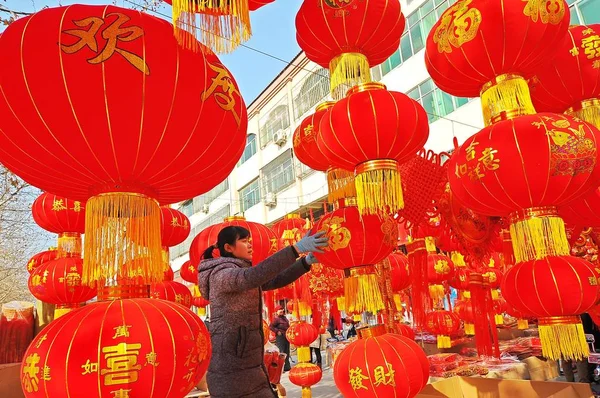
point(347, 70)
point(304, 354)
point(122, 240)
point(222, 24)
point(398, 302)
point(341, 184)
point(522, 324)
point(505, 97)
point(306, 392)
point(499, 319)
point(362, 294)
point(69, 245)
point(444, 341)
point(495, 294)
point(357, 318)
point(62, 309)
point(304, 309)
point(563, 338)
point(378, 187)
point(470, 329)
point(466, 294)
point(437, 293)
point(201, 311)
point(588, 111)
point(341, 303)
point(458, 259)
point(537, 233)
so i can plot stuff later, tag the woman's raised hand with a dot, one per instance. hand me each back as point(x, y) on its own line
point(312, 243)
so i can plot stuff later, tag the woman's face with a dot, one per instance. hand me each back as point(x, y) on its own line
point(242, 249)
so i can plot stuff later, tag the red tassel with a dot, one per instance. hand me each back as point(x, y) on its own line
point(335, 313)
point(417, 263)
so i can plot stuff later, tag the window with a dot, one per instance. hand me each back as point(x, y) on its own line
point(249, 195)
point(207, 198)
point(250, 149)
point(278, 118)
point(187, 208)
point(278, 174)
point(436, 102)
point(584, 12)
point(214, 218)
point(310, 92)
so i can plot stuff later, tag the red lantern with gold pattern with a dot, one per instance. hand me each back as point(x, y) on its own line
point(470, 51)
point(115, 114)
point(561, 166)
point(174, 226)
point(494, 276)
point(57, 214)
point(325, 281)
point(291, 229)
point(188, 272)
point(349, 36)
point(305, 139)
point(172, 291)
point(264, 240)
point(372, 131)
point(464, 309)
point(200, 302)
point(460, 280)
point(440, 269)
point(165, 346)
point(381, 365)
point(443, 324)
point(305, 375)
point(545, 289)
point(301, 333)
point(400, 277)
point(571, 83)
point(40, 258)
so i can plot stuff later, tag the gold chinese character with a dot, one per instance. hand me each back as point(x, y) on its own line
point(31, 265)
point(30, 380)
point(381, 377)
point(551, 11)
point(46, 375)
point(538, 124)
point(190, 374)
point(58, 205)
point(441, 267)
point(574, 51)
point(40, 341)
point(76, 206)
point(588, 31)
point(459, 25)
point(356, 379)
point(121, 331)
point(475, 173)
point(470, 150)
point(339, 236)
point(178, 298)
point(308, 130)
point(175, 222)
point(36, 280)
point(461, 170)
point(487, 158)
point(151, 359)
point(596, 64)
point(89, 367)
point(593, 281)
point(113, 33)
point(121, 361)
point(73, 279)
point(591, 46)
point(225, 97)
point(120, 393)
point(274, 245)
point(45, 277)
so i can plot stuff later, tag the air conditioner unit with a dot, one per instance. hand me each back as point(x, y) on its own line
point(205, 208)
point(270, 199)
point(280, 137)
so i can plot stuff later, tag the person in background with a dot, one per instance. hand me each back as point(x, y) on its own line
point(315, 347)
point(279, 326)
point(348, 330)
point(331, 326)
point(585, 370)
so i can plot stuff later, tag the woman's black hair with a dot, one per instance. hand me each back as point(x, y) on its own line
point(229, 235)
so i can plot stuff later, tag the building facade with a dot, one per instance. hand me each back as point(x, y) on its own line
point(269, 182)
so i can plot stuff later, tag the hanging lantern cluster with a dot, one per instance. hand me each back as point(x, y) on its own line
point(305, 373)
point(443, 324)
point(440, 269)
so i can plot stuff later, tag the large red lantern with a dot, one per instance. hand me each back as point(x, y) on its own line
point(571, 83)
point(372, 131)
point(123, 348)
point(400, 276)
point(40, 258)
point(381, 365)
point(471, 52)
point(100, 102)
point(172, 291)
point(58, 215)
point(174, 226)
point(443, 324)
point(291, 229)
point(488, 174)
point(264, 240)
point(555, 290)
point(349, 36)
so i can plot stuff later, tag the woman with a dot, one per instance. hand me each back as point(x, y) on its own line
point(234, 288)
point(279, 326)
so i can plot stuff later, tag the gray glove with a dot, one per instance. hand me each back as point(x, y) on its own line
point(310, 259)
point(312, 243)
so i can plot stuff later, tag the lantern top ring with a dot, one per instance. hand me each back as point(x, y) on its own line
point(366, 87)
point(377, 164)
point(324, 105)
point(525, 214)
point(109, 293)
point(371, 331)
point(559, 320)
point(234, 218)
point(292, 216)
point(585, 104)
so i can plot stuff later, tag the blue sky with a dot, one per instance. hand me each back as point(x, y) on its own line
point(273, 33)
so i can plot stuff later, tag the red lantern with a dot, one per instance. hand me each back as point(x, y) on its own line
point(165, 347)
point(494, 277)
point(464, 309)
point(115, 113)
point(175, 226)
point(545, 289)
point(488, 175)
point(59, 282)
point(460, 280)
point(291, 229)
point(400, 277)
point(443, 324)
point(571, 83)
point(301, 333)
point(201, 302)
point(349, 37)
point(57, 214)
point(169, 274)
point(470, 51)
point(41, 258)
point(372, 131)
point(584, 212)
point(440, 269)
point(406, 331)
point(188, 272)
point(264, 240)
point(172, 291)
point(381, 365)
point(305, 375)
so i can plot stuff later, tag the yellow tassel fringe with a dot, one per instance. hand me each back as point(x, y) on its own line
point(362, 294)
point(122, 240)
point(563, 341)
point(306, 392)
point(458, 259)
point(499, 319)
point(378, 190)
point(221, 25)
point(522, 324)
point(495, 294)
point(444, 342)
point(341, 184)
point(303, 354)
point(346, 71)
point(69, 245)
point(506, 97)
point(538, 237)
point(61, 310)
point(437, 293)
point(466, 294)
point(398, 302)
point(341, 303)
point(470, 329)
point(589, 111)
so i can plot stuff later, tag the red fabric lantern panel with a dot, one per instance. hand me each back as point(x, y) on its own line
point(400, 277)
point(443, 324)
point(169, 274)
point(172, 291)
point(439, 268)
point(174, 226)
point(301, 333)
point(264, 240)
point(291, 229)
point(326, 281)
point(584, 212)
point(460, 280)
point(101, 99)
point(57, 214)
point(189, 272)
point(254, 5)
point(348, 231)
point(305, 375)
point(40, 258)
point(476, 40)
point(305, 139)
point(387, 365)
point(165, 346)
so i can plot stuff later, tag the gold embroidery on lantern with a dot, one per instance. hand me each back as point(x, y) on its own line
point(459, 25)
point(113, 33)
point(175, 222)
point(30, 380)
point(596, 64)
point(121, 393)
point(593, 281)
point(591, 46)
point(390, 232)
point(487, 161)
point(151, 359)
point(441, 267)
point(551, 11)
point(76, 206)
point(58, 205)
point(381, 377)
point(224, 98)
point(356, 379)
point(339, 236)
point(89, 367)
point(40, 341)
point(46, 374)
point(121, 361)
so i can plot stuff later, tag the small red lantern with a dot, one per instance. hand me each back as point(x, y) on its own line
point(57, 214)
point(306, 375)
point(464, 309)
point(400, 277)
point(301, 333)
point(381, 364)
point(189, 272)
point(460, 280)
point(443, 324)
point(544, 288)
point(40, 258)
point(291, 229)
point(172, 291)
point(440, 269)
point(405, 330)
point(174, 226)
point(169, 274)
point(200, 302)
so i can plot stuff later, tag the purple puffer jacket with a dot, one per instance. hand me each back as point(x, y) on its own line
point(234, 288)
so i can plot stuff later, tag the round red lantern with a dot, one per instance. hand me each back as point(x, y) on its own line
point(439, 268)
point(488, 175)
point(405, 330)
point(381, 365)
point(57, 214)
point(470, 51)
point(372, 131)
point(460, 280)
point(400, 277)
point(545, 289)
point(200, 302)
point(291, 229)
point(264, 240)
point(305, 139)
point(174, 226)
point(494, 277)
point(305, 375)
point(169, 274)
point(115, 115)
point(464, 309)
point(40, 258)
point(443, 324)
point(349, 36)
point(165, 347)
point(172, 291)
point(571, 83)
point(301, 333)
point(188, 272)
